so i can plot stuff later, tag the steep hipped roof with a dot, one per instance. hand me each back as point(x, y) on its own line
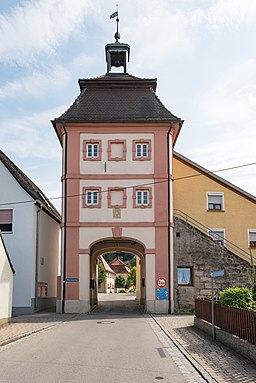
point(117, 97)
point(213, 176)
point(119, 266)
point(106, 265)
point(29, 186)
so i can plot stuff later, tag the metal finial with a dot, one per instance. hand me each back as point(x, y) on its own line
point(115, 14)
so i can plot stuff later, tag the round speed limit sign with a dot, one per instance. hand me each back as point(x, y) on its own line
point(161, 282)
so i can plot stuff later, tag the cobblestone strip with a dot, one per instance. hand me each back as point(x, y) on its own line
point(220, 362)
point(188, 371)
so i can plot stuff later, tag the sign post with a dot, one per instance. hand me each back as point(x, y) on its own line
point(161, 291)
point(215, 274)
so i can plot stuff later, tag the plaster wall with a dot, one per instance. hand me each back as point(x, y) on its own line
point(6, 286)
point(116, 167)
point(105, 214)
point(20, 242)
point(239, 213)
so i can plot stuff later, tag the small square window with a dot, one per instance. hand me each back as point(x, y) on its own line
point(142, 197)
point(92, 150)
point(6, 216)
point(215, 201)
point(185, 276)
point(252, 238)
point(142, 150)
point(91, 197)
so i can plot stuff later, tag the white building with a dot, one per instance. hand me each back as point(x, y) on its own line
point(30, 226)
point(108, 286)
point(6, 283)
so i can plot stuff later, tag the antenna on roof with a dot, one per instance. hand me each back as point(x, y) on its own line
point(115, 14)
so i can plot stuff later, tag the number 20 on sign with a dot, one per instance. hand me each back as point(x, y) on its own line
point(161, 282)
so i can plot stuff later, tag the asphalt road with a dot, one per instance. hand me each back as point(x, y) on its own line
point(117, 346)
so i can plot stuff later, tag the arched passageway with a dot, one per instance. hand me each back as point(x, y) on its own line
point(110, 245)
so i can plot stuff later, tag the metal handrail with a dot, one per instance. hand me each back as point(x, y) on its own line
point(227, 244)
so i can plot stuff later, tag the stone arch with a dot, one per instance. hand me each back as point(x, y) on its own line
point(108, 245)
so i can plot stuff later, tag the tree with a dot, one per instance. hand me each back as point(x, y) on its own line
point(131, 279)
point(101, 273)
point(120, 282)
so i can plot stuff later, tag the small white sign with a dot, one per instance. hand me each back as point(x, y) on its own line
point(217, 273)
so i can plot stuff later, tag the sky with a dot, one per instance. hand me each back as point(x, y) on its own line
point(201, 51)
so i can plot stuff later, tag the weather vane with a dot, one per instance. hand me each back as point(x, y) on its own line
point(115, 14)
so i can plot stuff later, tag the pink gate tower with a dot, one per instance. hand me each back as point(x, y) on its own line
point(117, 139)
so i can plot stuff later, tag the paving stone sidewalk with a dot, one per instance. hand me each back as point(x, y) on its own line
point(221, 363)
point(24, 325)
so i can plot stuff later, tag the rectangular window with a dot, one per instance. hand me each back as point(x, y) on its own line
point(217, 235)
point(142, 197)
point(185, 276)
point(91, 197)
point(215, 201)
point(252, 238)
point(6, 220)
point(141, 150)
point(92, 150)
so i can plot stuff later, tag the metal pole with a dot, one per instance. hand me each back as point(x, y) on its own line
point(213, 328)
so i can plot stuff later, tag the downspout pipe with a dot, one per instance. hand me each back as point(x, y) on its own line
point(64, 251)
point(169, 217)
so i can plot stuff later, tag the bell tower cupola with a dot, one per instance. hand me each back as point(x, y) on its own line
point(117, 54)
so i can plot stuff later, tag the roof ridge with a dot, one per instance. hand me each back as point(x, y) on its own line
point(27, 184)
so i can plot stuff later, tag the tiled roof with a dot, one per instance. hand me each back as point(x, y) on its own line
point(29, 186)
point(119, 266)
point(117, 97)
point(106, 265)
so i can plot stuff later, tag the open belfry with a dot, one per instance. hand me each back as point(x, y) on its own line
point(117, 140)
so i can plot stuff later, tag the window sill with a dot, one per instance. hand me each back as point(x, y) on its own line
point(215, 211)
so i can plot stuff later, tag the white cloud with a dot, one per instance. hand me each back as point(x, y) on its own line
point(37, 84)
point(32, 136)
point(35, 27)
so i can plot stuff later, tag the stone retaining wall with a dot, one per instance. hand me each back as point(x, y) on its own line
point(196, 249)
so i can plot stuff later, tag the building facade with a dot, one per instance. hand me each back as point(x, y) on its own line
point(215, 206)
point(31, 234)
point(117, 141)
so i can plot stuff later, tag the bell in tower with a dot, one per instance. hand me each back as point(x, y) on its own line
point(117, 54)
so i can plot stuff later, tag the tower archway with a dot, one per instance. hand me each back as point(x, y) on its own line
point(110, 245)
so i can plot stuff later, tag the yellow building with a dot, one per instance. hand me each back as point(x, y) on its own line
point(215, 206)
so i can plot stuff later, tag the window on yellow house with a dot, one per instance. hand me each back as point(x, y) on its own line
point(252, 238)
point(215, 201)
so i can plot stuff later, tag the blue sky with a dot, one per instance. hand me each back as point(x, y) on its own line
point(202, 52)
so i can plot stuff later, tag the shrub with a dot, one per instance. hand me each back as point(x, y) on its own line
point(236, 297)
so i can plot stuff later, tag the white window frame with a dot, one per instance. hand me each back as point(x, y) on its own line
point(249, 232)
point(143, 194)
point(8, 223)
point(221, 194)
point(139, 148)
point(92, 194)
point(212, 230)
point(93, 147)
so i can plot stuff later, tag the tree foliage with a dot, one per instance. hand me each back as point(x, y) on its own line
point(120, 282)
point(101, 273)
point(131, 279)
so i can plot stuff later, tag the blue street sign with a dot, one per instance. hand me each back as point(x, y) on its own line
point(161, 294)
point(71, 279)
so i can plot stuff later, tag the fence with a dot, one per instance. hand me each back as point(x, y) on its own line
point(236, 321)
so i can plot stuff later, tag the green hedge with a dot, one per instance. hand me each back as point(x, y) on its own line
point(237, 297)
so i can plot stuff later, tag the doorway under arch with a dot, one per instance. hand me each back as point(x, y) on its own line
point(110, 245)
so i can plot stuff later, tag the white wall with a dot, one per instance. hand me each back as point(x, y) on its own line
point(19, 243)
point(48, 255)
point(6, 285)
